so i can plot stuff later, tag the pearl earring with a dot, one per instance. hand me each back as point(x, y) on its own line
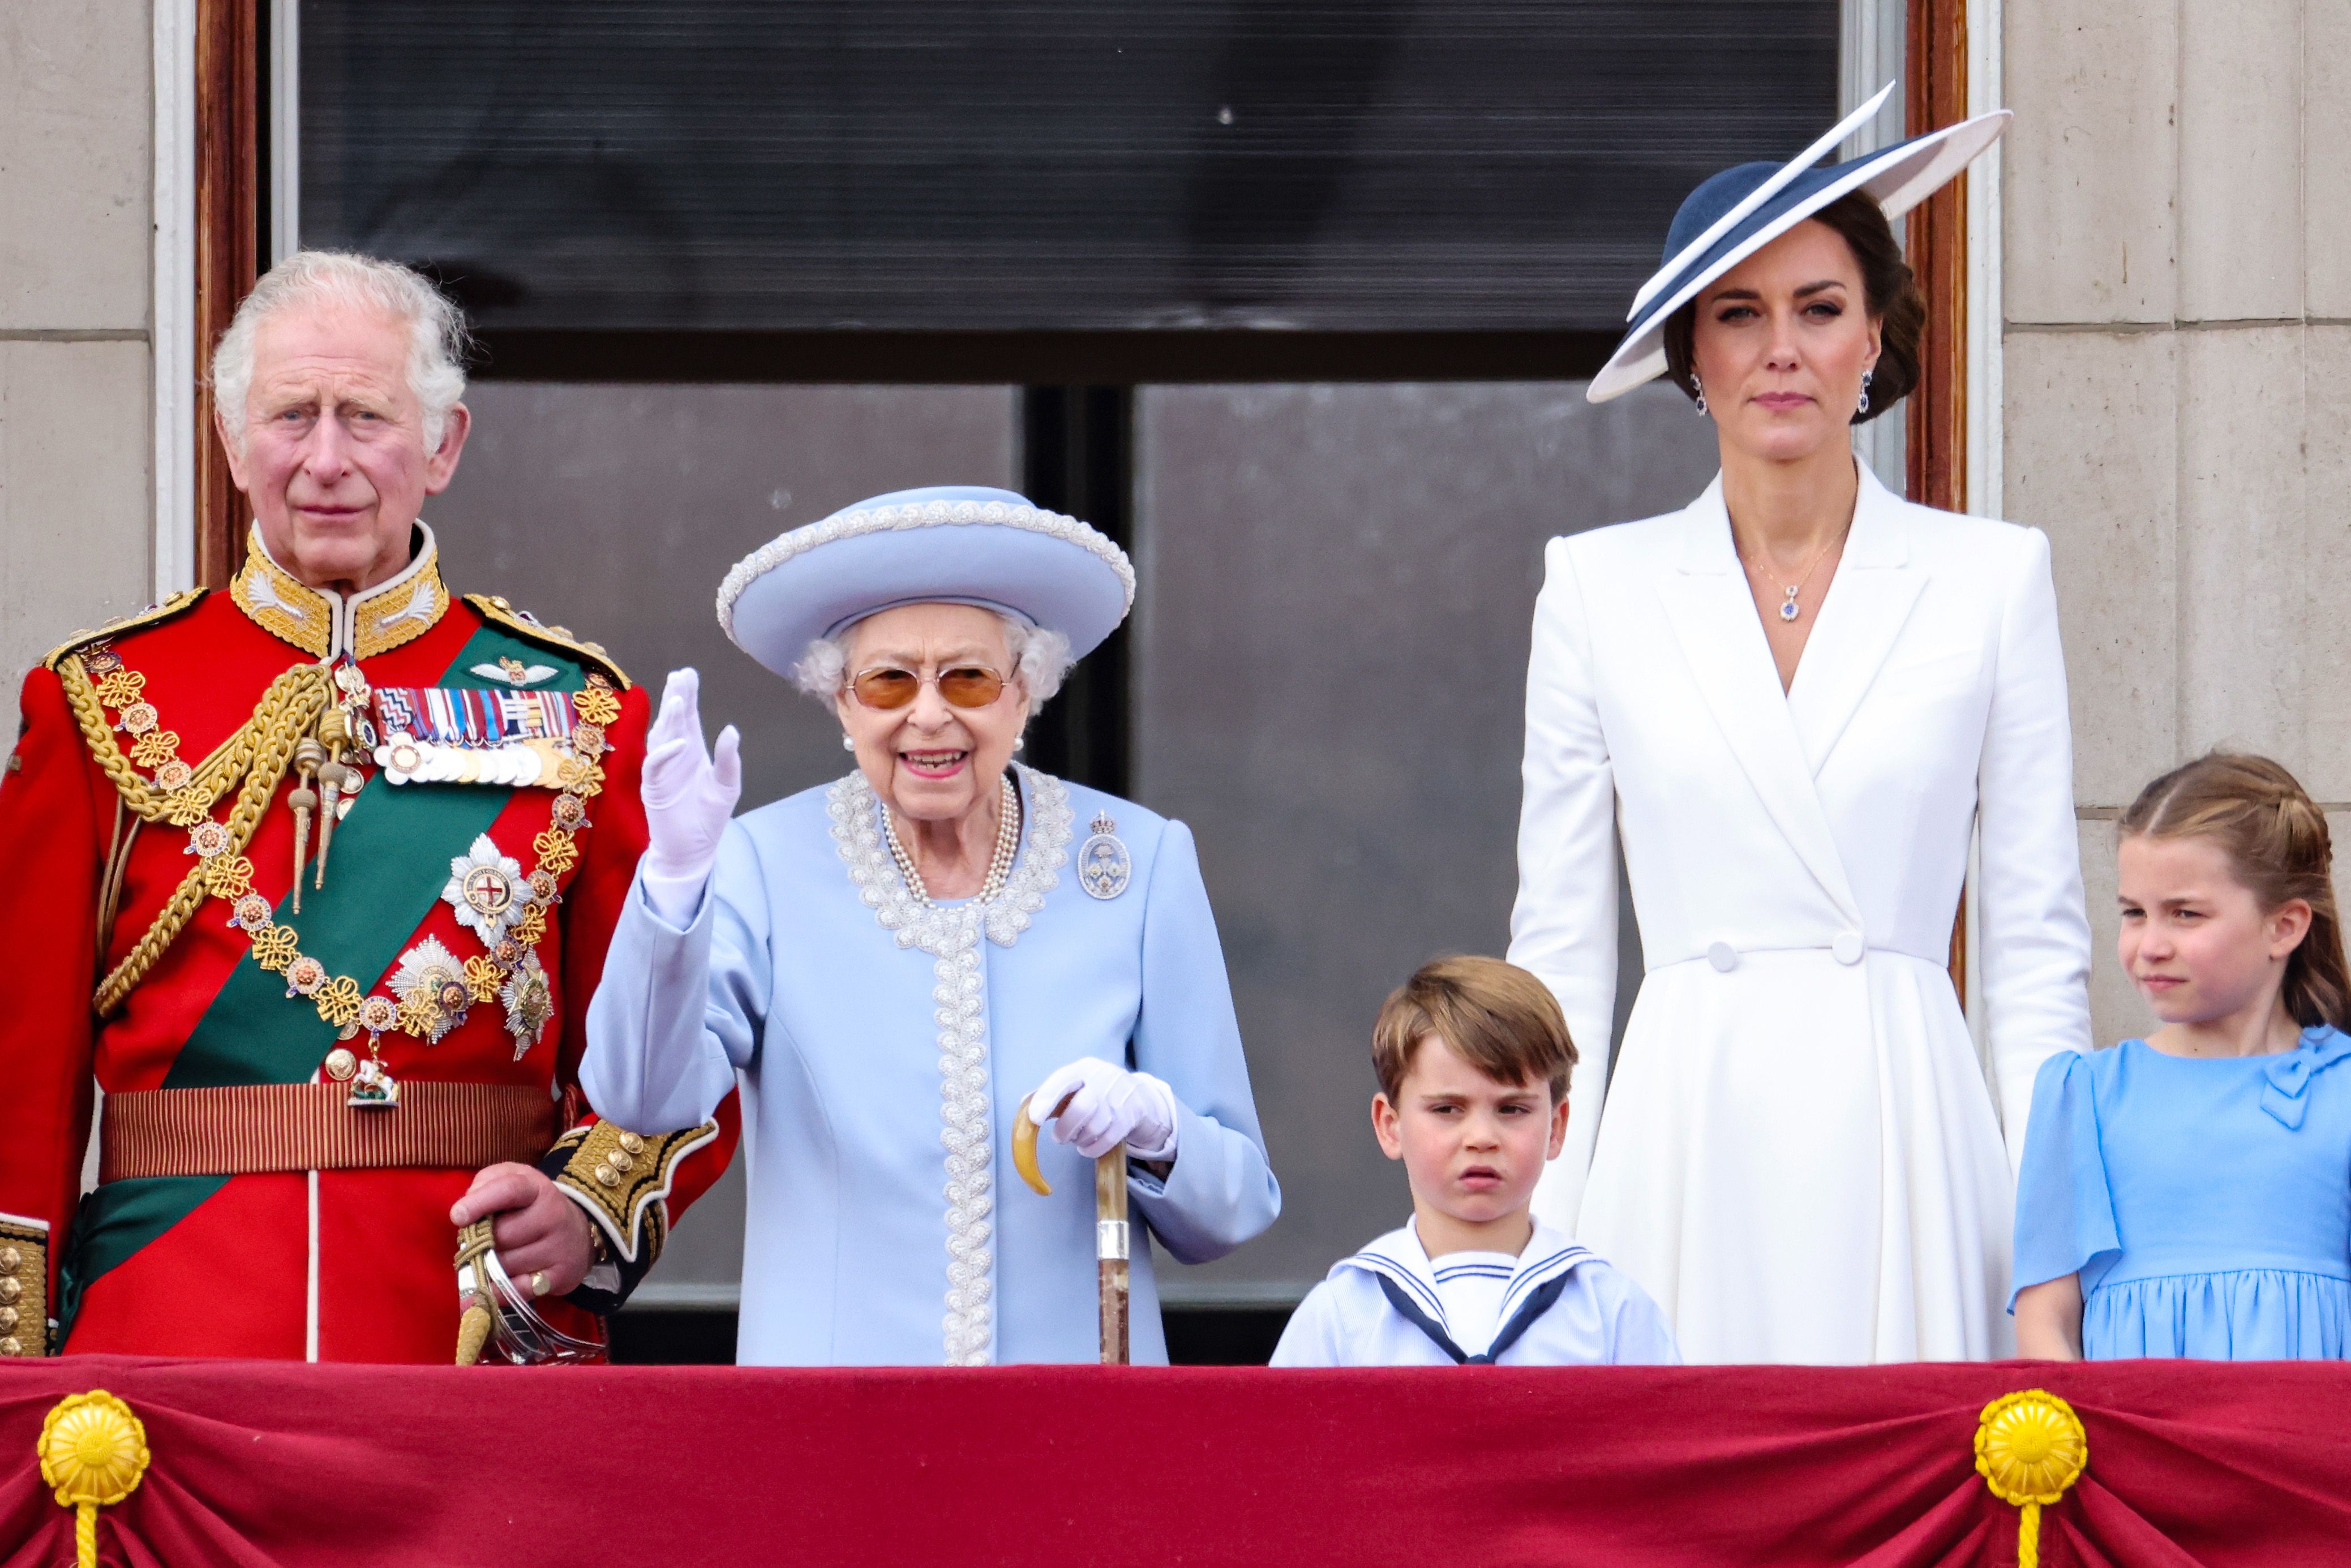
point(1867, 377)
point(847, 744)
point(1018, 741)
point(1700, 390)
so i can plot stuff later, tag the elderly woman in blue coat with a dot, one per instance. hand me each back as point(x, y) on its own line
point(893, 963)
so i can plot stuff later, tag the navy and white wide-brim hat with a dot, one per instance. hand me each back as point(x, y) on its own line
point(951, 544)
point(1739, 211)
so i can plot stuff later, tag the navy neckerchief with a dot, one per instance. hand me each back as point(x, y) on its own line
point(1539, 1302)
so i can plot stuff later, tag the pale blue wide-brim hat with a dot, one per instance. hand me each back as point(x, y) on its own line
point(1739, 211)
point(953, 544)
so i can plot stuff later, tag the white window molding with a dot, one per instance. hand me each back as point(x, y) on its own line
point(1986, 431)
point(285, 129)
point(1873, 52)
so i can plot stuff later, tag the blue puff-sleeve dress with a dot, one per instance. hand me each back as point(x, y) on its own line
point(2204, 1201)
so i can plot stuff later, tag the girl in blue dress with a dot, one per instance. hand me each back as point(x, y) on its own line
point(2190, 1194)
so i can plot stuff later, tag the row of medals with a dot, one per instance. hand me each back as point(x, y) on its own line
point(486, 886)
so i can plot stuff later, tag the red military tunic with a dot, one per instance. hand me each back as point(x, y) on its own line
point(352, 1262)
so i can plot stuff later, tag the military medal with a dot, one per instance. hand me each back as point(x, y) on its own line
point(1105, 868)
point(488, 890)
point(373, 1089)
point(327, 721)
point(446, 734)
point(515, 673)
point(435, 991)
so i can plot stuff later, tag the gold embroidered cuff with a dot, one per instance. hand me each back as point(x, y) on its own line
point(24, 1287)
point(622, 1180)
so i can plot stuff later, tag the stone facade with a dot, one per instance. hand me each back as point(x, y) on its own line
point(77, 500)
point(2177, 359)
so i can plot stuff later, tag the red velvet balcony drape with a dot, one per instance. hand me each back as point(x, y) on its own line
point(257, 1463)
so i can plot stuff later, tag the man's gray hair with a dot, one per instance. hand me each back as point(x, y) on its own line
point(1040, 658)
point(437, 328)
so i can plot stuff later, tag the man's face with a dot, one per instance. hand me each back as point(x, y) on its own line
point(334, 460)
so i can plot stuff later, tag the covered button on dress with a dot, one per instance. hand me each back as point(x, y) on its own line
point(2205, 1202)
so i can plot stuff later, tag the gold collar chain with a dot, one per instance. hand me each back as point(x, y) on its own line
point(422, 1003)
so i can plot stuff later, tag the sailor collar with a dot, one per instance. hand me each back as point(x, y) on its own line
point(1400, 1257)
point(327, 625)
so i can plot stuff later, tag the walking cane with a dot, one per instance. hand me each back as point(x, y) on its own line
point(1109, 1223)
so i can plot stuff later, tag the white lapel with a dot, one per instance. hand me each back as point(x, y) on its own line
point(1712, 613)
point(1868, 602)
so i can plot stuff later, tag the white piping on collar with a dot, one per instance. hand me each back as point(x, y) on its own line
point(1399, 1256)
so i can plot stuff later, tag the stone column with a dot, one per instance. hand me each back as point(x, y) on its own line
point(76, 173)
point(2177, 351)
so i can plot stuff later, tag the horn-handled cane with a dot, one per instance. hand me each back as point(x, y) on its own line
point(1109, 1223)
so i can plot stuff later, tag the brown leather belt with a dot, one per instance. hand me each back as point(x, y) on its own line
point(252, 1128)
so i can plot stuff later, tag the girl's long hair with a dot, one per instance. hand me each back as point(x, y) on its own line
point(2276, 838)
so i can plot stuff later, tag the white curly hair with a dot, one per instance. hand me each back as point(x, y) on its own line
point(1040, 659)
point(437, 328)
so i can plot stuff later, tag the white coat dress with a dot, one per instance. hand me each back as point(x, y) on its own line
point(1802, 1152)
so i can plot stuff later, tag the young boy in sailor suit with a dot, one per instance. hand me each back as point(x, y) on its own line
point(1473, 1056)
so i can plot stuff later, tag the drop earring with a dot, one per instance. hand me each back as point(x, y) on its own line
point(847, 744)
point(1018, 741)
point(1867, 377)
point(1697, 387)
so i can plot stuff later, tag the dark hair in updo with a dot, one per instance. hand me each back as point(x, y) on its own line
point(1888, 289)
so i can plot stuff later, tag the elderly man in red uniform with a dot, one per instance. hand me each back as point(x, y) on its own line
point(313, 877)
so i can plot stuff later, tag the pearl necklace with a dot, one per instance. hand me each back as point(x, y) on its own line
point(1007, 845)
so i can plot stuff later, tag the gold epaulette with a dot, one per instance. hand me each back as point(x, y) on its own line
point(506, 618)
point(24, 1287)
point(622, 1180)
point(177, 605)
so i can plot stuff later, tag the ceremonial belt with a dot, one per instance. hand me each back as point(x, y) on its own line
point(247, 1129)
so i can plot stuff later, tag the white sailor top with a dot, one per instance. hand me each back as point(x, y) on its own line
point(1563, 1306)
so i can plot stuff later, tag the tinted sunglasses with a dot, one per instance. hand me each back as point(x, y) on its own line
point(965, 685)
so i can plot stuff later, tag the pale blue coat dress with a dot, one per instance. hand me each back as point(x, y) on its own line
point(883, 1047)
point(2205, 1202)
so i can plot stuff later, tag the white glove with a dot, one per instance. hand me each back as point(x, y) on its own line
point(1111, 1106)
point(689, 794)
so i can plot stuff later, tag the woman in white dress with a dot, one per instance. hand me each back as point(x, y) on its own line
point(1796, 700)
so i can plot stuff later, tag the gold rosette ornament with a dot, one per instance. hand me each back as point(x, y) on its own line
point(94, 1452)
point(2030, 1447)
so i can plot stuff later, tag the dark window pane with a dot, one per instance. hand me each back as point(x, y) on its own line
point(1109, 165)
point(1330, 655)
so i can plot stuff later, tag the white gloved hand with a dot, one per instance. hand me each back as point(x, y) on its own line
point(1111, 1105)
point(689, 794)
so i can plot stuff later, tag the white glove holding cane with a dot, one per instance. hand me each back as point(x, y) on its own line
point(689, 794)
point(1108, 1105)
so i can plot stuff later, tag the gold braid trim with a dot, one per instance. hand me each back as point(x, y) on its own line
point(211, 777)
point(622, 1180)
point(173, 607)
point(24, 1287)
point(494, 609)
point(289, 710)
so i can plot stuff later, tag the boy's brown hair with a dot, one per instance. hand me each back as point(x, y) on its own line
point(1496, 1017)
